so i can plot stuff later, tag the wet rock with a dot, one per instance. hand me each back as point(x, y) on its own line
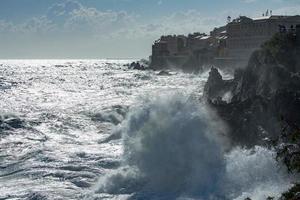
point(137, 66)
point(164, 73)
point(292, 194)
point(216, 88)
point(262, 93)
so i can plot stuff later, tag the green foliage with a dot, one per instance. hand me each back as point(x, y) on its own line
point(279, 43)
point(283, 49)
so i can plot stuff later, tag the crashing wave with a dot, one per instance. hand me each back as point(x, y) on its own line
point(175, 148)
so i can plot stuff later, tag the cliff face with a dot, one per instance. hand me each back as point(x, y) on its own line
point(266, 91)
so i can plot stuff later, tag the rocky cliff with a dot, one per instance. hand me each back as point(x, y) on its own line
point(256, 100)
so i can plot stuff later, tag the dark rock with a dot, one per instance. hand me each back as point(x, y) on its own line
point(138, 66)
point(266, 90)
point(292, 194)
point(216, 88)
point(164, 73)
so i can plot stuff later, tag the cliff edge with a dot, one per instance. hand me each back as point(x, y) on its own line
point(256, 100)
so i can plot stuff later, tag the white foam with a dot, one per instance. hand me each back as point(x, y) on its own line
point(174, 148)
point(255, 173)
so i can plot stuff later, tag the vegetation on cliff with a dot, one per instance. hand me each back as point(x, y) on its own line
point(263, 94)
point(266, 90)
point(284, 50)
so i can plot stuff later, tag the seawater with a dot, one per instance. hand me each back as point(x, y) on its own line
point(93, 129)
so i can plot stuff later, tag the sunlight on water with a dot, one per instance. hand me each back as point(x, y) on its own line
point(57, 112)
point(92, 129)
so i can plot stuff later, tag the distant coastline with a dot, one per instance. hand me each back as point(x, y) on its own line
point(227, 46)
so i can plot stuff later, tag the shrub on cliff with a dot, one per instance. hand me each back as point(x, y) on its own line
point(283, 49)
point(272, 68)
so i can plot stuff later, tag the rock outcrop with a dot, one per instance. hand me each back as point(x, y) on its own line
point(262, 94)
point(217, 89)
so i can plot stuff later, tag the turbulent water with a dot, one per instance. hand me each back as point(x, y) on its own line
point(93, 129)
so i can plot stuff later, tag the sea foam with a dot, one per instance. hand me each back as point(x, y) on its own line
point(177, 148)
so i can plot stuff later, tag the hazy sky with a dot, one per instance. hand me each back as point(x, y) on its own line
point(113, 28)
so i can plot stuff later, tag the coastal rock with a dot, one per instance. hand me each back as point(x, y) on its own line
point(263, 93)
point(217, 89)
point(141, 65)
point(164, 73)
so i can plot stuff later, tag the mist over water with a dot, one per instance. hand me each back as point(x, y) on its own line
point(93, 129)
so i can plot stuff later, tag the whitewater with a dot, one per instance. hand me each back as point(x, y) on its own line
point(94, 129)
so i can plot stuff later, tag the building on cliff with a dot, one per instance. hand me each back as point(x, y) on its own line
point(177, 51)
point(229, 45)
point(170, 51)
point(246, 35)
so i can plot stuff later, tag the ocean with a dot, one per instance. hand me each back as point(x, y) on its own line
point(94, 129)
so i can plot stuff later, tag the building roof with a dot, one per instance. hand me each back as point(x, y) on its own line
point(205, 37)
point(159, 41)
point(262, 18)
point(272, 17)
point(222, 37)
